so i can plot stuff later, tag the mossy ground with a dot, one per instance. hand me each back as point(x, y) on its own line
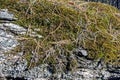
point(65, 26)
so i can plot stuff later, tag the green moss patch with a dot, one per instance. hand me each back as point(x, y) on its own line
point(93, 26)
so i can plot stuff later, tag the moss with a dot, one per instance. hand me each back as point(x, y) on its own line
point(93, 26)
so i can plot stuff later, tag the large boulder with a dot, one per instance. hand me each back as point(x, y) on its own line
point(80, 41)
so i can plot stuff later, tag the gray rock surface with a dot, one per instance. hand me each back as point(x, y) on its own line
point(5, 15)
point(16, 29)
point(15, 67)
point(7, 41)
point(81, 52)
point(8, 33)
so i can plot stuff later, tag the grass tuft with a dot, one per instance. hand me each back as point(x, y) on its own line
point(65, 26)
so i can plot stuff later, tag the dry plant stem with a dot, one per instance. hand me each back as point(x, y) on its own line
point(86, 24)
point(51, 33)
point(30, 6)
point(37, 46)
point(29, 31)
point(23, 38)
point(48, 53)
point(56, 28)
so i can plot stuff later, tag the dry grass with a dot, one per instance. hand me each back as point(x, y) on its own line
point(65, 26)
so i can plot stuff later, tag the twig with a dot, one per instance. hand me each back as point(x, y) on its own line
point(56, 28)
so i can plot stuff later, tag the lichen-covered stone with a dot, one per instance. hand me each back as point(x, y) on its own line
point(7, 41)
point(5, 15)
point(92, 29)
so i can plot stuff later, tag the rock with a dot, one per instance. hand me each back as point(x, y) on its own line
point(38, 72)
point(113, 69)
point(34, 34)
point(8, 33)
point(5, 15)
point(80, 52)
point(16, 29)
point(7, 41)
point(86, 74)
point(114, 78)
point(14, 67)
